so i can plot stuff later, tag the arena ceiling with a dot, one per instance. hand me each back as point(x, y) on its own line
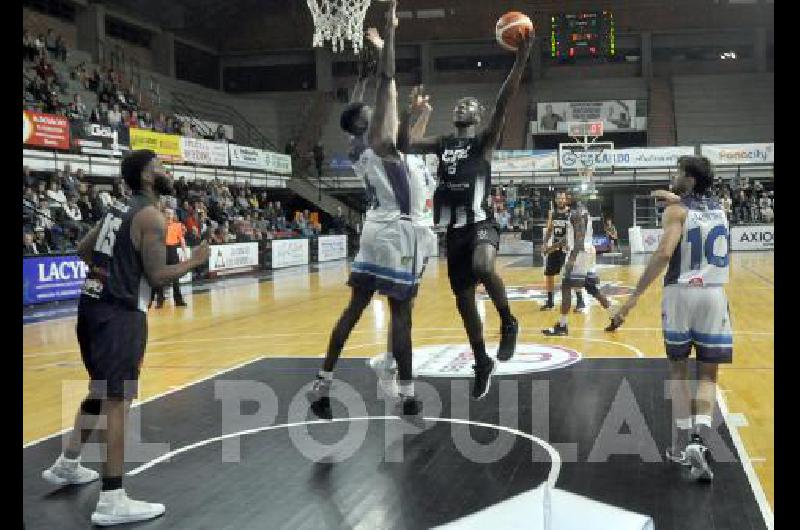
point(242, 25)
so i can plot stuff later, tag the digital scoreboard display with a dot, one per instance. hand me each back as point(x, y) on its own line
point(589, 35)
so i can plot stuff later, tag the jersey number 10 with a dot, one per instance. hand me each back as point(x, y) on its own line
point(699, 249)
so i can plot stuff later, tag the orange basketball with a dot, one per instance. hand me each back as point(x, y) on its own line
point(511, 28)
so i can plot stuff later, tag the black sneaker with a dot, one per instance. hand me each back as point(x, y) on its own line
point(547, 307)
point(699, 458)
point(556, 331)
point(181, 304)
point(508, 340)
point(411, 406)
point(580, 307)
point(320, 400)
point(616, 322)
point(483, 378)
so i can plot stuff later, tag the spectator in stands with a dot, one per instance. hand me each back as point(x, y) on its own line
point(115, 118)
point(218, 236)
point(87, 210)
point(739, 207)
point(40, 239)
point(28, 46)
point(38, 43)
point(76, 110)
point(611, 233)
point(73, 214)
point(752, 205)
point(56, 195)
point(767, 215)
point(44, 215)
point(69, 182)
point(51, 44)
point(338, 224)
point(727, 204)
point(28, 245)
point(160, 125)
point(61, 48)
point(220, 134)
point(133, 120)
point(503, 219)
point(27, 178)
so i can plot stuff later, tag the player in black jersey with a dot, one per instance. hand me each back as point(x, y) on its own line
point(555, 247)
point(461, 203)
point(126, 255)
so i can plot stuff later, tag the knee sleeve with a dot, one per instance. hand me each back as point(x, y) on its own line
point(91, 406)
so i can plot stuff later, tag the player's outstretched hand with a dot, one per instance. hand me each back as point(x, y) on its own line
point(419, 100)
point(200, 254)
point(622, 312)
point(524, 48)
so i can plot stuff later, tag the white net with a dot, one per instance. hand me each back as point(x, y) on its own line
point(339, 21)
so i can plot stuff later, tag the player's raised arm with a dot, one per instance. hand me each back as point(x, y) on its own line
point(674, 217)
point(382, 134)
point(151, 228)
point(414, 119)
point(507, 91)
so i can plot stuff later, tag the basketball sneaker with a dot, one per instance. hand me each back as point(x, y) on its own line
point(387, 376)
point(580, 307)
point(547, 307)
point(65, 471)
point(114, 507)
point(616, 322)
point(699, 458)
point(411, 405)
point(320, 399)
point(556, 331)
point(508, 340)
point(483, 378)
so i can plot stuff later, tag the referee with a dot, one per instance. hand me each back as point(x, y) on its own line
point(175, 238)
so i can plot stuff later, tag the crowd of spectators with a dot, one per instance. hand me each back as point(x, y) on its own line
point(746, 201)
point(59, 208)
point(118, 106)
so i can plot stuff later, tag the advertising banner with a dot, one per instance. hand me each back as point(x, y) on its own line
point(166, 146)
point(289, 252)
point(45, 130)
point(51, 278)
point(207, 126)
point(233, 257)
point(278, 163)
point(618, 115)
point(524, 161)
point(739, 154)
point(756, 237)
point(97, 139)
point(206, 152)
point(247, 157)
point(650, 156)
point(330, 247)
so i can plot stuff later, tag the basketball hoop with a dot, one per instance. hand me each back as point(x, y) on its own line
point(339, 21)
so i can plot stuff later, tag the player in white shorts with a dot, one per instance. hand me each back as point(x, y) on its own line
point(694, 250)
point(387, 261)
point(580, 271)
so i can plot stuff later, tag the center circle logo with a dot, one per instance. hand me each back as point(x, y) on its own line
point(456, 360)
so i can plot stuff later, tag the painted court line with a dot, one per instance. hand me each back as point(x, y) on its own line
point(747, 465)
point(157, 396)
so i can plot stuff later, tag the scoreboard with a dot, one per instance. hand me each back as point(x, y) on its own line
point(589, 35)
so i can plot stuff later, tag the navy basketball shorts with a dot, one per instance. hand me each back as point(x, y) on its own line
point(699, 317)
point(554, 262)
point(461, 244)
point(112, 339)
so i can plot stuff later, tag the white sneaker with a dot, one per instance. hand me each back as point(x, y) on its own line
point(65, 471)
point(114, 507)
point(699, 458)
point(387, 377)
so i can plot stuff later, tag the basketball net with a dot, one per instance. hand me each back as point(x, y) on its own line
point(339, 21)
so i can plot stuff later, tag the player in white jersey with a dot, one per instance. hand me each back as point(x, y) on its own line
point(579, 271)
point(694, 250)
point(386, 261)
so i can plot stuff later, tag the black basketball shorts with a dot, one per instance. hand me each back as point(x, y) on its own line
point(461, 244)
point(554, 262)
point(112, 339)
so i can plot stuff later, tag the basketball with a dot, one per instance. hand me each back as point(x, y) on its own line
point(511, 28)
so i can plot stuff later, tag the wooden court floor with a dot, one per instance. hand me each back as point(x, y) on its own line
point(292, 315)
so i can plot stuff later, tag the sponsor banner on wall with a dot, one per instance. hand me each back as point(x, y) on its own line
point(650, 156)
point(233, 257)
point(340, 163)
point(598, 157)
point(51, 278)
point(522, 161)
point(247, 157)
point(166, 146)
point(329, 248)
point(756, 237)
point(278, 163)
point(289, 252)
point(738, 154)
point(45, 130)
point(95, 139)
point(207, 152)
point(618, 115)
